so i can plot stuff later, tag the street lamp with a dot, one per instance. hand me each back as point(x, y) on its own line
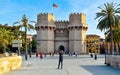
point(84, 47)
point(95, 51)
point(30, 49)
point(19, 36)
point(38, 47)
point(105, 47)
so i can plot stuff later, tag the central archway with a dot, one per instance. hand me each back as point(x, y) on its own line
point(61, 47)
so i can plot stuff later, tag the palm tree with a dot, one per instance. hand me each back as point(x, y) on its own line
point(108, 18)
point(5, 38)
point(24, 23)
point(116, 37)
point(119, 42)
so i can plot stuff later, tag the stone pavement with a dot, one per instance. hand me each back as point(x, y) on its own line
point(82, 65)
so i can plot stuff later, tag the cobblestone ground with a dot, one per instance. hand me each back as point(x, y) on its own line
point(82, 65)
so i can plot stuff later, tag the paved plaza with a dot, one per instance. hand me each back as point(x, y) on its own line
point(82, 65)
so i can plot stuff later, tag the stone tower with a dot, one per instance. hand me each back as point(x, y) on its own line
point(68, 35)
point(77, 32)
point(45, 32)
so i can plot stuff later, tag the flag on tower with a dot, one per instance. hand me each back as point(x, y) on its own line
point(55, 5)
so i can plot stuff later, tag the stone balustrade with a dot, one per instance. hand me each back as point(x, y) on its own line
point(113, 60)
point(10, 63)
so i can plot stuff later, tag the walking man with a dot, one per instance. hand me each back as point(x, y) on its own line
point(60, 59)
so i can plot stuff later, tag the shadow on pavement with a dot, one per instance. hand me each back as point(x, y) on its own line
point(101, 70)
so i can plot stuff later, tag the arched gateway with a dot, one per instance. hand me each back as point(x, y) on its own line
point(61, 47)
point(68, 35)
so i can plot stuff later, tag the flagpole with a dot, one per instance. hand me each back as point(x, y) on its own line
point(52, 7)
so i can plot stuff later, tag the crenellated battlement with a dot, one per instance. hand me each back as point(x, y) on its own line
point(75, 14)
point(45, 14)
point(62, 21)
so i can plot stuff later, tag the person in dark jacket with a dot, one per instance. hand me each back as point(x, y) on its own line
point(60, 59)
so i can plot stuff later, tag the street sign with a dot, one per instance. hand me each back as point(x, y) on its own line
point(16, 41)
point(16, 45)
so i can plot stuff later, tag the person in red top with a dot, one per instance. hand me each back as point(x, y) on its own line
point(41, 55)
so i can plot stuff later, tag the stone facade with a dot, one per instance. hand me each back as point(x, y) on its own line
point(68, 35)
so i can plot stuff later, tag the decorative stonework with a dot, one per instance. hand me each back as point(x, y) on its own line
point(78, 28)
point(69, 34)
point(45, 28)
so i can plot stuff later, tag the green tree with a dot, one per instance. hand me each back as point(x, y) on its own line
point(116, 37)
point(118, 42)
point(108, 18)
point(15, 35)
point(5, 38)
point(24, 23)
point(34, 44)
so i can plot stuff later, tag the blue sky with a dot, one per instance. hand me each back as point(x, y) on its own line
point(12, 10)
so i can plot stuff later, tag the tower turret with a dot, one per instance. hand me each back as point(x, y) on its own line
point(77, 32)
point(77, 19)
point(45, 32)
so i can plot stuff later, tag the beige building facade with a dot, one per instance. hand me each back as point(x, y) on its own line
point(67, 35)
point(93, 43)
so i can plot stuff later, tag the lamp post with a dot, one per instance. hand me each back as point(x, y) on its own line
point(38, 47)
point(19, 42)
point(30, 53)
point(105, 47)
point(84, 47)
point(95, 51)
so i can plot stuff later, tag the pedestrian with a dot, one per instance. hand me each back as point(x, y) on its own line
point(45, 54)
point(76, 53)
point(41, 55)
point(70, 53)
point(60, 59)
point(53, 53)
point(91, 55)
